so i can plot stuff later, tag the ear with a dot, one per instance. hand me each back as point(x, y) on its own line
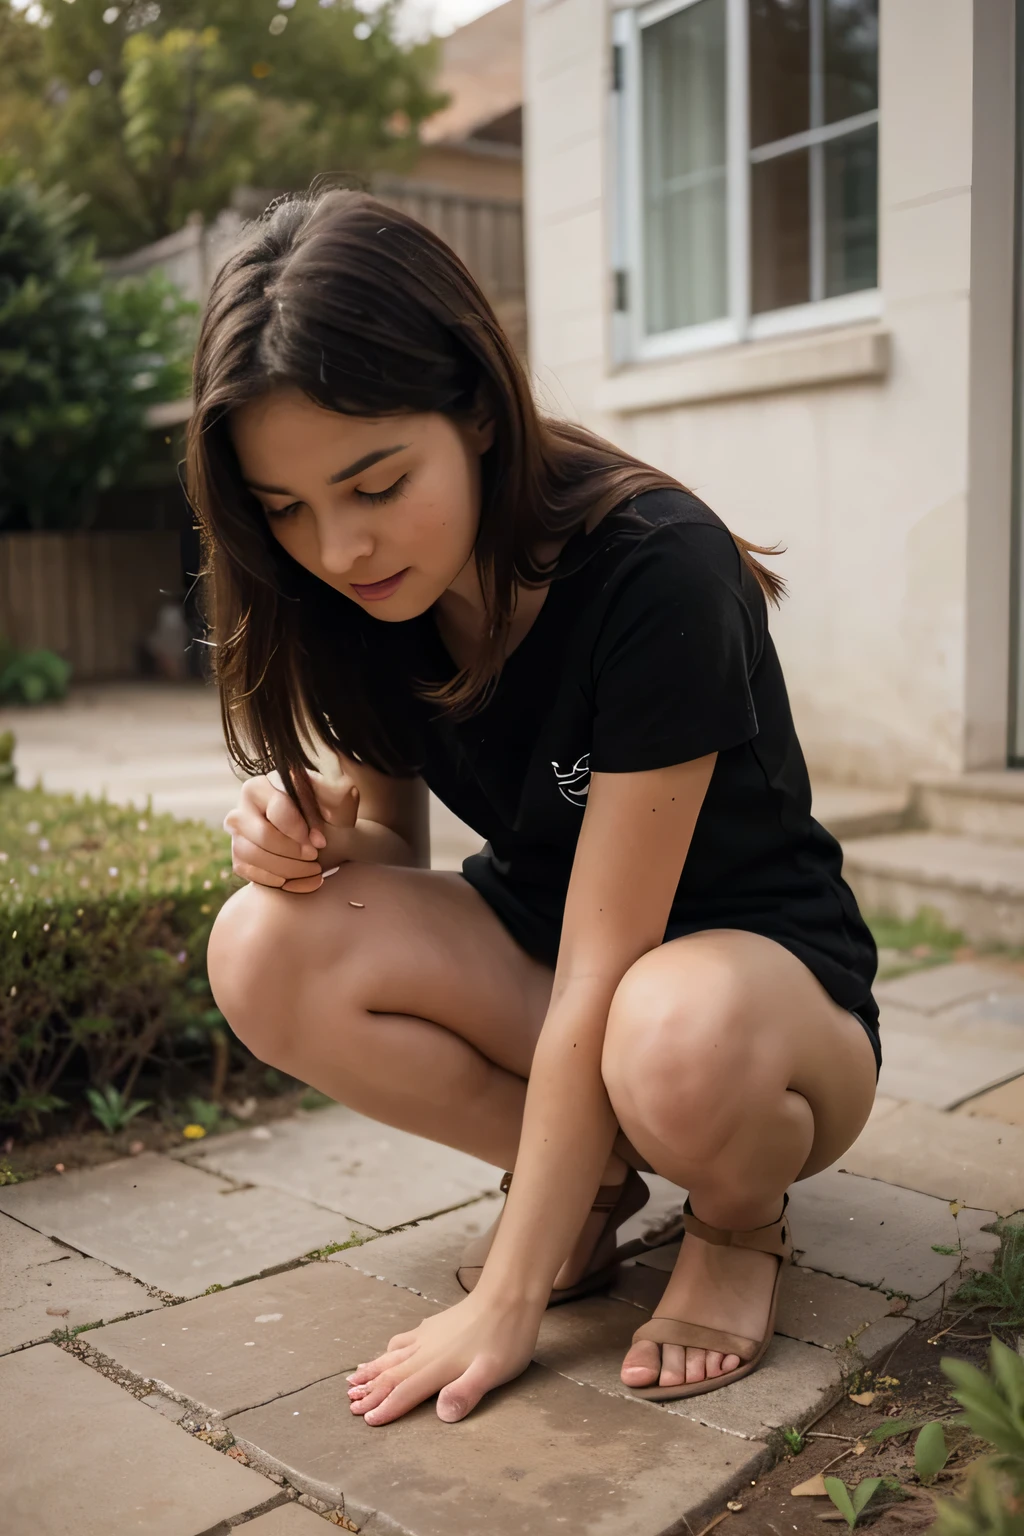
point(480, 432)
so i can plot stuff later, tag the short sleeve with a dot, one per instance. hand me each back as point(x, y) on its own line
point(674, 654)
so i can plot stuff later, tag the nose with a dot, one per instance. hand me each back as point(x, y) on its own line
point(343, 542)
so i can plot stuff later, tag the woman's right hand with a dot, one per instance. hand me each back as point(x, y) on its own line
point(272, 843)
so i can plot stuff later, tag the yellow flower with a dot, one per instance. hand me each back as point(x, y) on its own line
point(193, 1132)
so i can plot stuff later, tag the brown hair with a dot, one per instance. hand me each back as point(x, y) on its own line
point(370, 314)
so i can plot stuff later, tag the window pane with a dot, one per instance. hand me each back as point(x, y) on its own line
point(780, 69)
point(684, 167)
point(780, 241)
point(851, 58)
point(851, 212)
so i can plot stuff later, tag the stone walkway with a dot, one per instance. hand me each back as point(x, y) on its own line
point(205, 1391)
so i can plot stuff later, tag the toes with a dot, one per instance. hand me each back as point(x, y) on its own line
point(673, 1366)
point(695, 1365)
point(713, 1363)
point(642, 1364)
point(730, 1363)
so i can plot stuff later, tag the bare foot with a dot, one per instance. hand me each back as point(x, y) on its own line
point(717, 1287)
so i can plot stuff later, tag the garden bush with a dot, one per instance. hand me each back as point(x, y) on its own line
point(103, 957)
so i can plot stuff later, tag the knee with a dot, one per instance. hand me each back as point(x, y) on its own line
point(674, 1061)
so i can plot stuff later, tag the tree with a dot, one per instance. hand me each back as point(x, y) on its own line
point(154, 111)
point(80, 361)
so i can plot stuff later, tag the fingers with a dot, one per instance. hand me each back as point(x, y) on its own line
point(339, 805)
point(247, 852)
point(393, 1398)
point(455, 1401)
point(283, 814)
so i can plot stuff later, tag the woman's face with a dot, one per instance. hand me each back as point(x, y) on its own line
point(385, 510)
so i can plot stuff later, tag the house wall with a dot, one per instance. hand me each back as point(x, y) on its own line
point(890, 495)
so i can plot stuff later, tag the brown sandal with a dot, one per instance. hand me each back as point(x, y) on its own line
point(617, 1202)
point(776, 1239)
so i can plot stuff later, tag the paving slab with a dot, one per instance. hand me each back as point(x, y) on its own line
point(424, 1257)
point(540, 1457)
point(977, 1161)
point(44, 1285)
point(943, 986)
point(364, 1170)
point(255, 1342)
point(172, 1226)
point(286, 1520)
point(873, 1233)
point(1005, 1103)
point(944, 1058)
point(82, 1455)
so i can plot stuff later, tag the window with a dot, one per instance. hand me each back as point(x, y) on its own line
point(747, 169)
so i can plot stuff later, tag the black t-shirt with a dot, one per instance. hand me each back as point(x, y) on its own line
point(651, 649)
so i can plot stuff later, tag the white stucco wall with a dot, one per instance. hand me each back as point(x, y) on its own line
point(866, 483)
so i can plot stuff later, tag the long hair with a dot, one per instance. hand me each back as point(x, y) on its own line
point(369, 314)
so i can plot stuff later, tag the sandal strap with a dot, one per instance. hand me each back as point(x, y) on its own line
point(672, 1330)
point(773, 1238)
point(607, 1199)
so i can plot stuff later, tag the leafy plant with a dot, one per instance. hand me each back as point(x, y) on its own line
point(993, 1504)
point(33, 677)
point(926, 931)
point(851, 1502)
point(203, 1112)
point(930, 1452)
point(794, 1441)
point(81, 359)
point(113, 1109)
point(104, 918)
point(1002, 1290)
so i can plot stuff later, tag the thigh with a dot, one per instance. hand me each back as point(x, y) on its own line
point(388, 939)
point(727, 1019)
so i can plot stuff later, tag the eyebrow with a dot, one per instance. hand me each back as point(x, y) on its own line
point(366, 462)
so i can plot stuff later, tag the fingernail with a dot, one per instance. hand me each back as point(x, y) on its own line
point(328, 872)
point(318, 840)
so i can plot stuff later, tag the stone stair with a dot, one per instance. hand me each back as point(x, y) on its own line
point(957, 848)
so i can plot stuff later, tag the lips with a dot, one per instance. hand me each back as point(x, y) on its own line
point(376, 591)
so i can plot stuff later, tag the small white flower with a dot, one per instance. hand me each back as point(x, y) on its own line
point(95, 76)
point(277, 25)
point(33, 828)
point(362, 30)
point(143, 826)
point(111, 14)
point(112, 871)
point(44, 845)
point(33, 869)
point(207, 885)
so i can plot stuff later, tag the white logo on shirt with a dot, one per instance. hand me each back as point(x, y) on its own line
point(573, 786)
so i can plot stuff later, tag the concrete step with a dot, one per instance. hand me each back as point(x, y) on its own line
point(982, 805)
point(977, 886)
point(848, 810)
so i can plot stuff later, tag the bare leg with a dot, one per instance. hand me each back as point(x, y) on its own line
point(734, 1074)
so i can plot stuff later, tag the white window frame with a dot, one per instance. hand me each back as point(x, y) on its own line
point(628, 338)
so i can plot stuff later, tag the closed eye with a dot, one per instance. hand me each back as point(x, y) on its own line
point(375, 498)
point(277, 513)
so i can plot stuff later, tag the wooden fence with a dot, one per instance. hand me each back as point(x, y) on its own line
point(92, 597)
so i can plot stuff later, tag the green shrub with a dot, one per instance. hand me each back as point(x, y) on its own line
point(103, 957)
point(32, 677)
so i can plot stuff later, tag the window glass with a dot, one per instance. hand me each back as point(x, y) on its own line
point(780, 64)
point(684, 167)
point(851, 212)
point(780, 226)
point(851, 58)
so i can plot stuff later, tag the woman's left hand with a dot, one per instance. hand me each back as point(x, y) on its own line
point(460, 1354)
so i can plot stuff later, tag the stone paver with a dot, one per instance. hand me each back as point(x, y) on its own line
point(172, 1226)
point(341, 1160)
point(872, 1233)
point(44, 1286)
point(956, 1157)
point(82, 1455)
point(1005, 1103)
point(943, 986)
point(945, 1058)
point(286, 1520)
point(252, 1343)
point(424, 1258)
point(540, 1457)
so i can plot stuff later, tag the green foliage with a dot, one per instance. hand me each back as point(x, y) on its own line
point(8, 772)
point(112, 1109)
point(930, 1452)
point(851, 1502)
point(163, 109)
point(80, 361)
point(1003, 1289)
point(104, 916)
point(34, 677)
point(993, 1404)
point(205, 1113)
point(927, 930)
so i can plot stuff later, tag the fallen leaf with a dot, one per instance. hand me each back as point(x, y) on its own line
point(859, 1448)
point(956, 1206)
point(57, 1311)
point(813, 1488)
point(865, 1399)
point(899, 1305)
point(734, 1506)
